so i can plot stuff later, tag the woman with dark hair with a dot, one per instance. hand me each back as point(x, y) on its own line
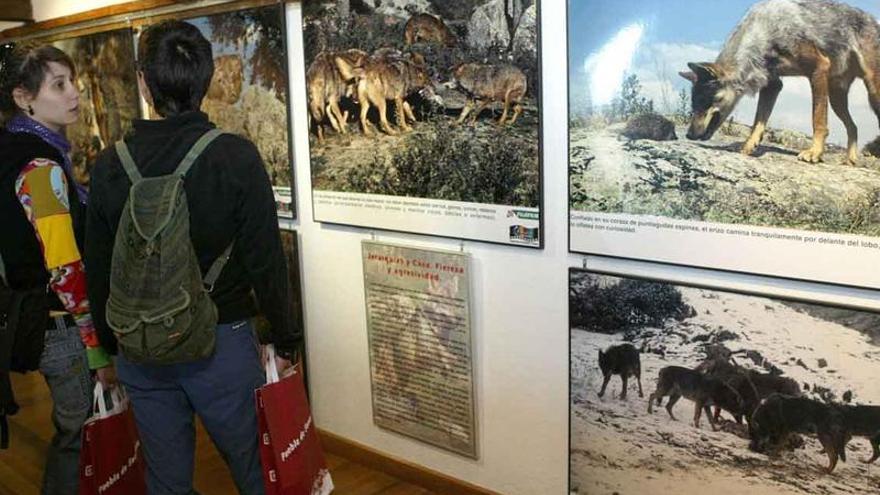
point(43, 213)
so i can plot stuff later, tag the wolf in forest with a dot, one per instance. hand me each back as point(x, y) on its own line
point(623, 360)
point(388, 75)
point(484, 84)
point(828, 42)
point(426, 27)
point(327, 86)
point(226, 84)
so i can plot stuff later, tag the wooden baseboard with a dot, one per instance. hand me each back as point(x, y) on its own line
point(399, 468)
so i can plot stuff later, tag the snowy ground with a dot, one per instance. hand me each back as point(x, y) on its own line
point(617, 447)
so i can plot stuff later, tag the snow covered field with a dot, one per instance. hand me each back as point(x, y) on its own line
point(617, 447)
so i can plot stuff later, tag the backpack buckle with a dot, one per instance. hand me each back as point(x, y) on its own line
point(209, 288)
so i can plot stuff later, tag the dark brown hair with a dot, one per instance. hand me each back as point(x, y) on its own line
point(177, 64)
point(25, 66)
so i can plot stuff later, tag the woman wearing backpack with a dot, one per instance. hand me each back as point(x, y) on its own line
point(43, 212)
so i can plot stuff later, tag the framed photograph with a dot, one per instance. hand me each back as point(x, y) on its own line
point(426, 119)
point(688, 390)
point(696, 136)
point(248, 94)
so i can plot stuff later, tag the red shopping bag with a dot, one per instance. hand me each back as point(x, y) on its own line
point(293, 462)
point(111, 462)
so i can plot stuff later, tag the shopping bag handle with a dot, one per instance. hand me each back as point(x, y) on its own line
point(99, 401)
point(272, 367)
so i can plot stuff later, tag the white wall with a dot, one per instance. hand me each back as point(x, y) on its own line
point(520, 317)
point(520, 312)
point(9, 25)
point(520, 307)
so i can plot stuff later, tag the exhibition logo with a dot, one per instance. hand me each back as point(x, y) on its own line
point(524, 235)
point(524, 214)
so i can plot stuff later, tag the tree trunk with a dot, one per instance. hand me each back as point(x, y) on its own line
point(513, 10)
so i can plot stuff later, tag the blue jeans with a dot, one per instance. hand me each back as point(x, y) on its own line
point(65, 368)
point(220, 389)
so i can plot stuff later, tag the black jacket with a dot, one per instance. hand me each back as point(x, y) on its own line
point(22, 255)
point(229, 197)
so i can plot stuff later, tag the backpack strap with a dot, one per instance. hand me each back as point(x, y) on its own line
point(127, 162)
point(196, 150)
point(217, 267)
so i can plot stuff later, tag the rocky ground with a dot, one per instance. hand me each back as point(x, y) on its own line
point(618, 448)
point(711, 181)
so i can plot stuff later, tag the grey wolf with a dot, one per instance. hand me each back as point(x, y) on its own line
point(828, 42)
point(620, 360)
point(650, 126)
point(751, 385)
point(766, 383)
point(327, 86)
point(778, 416)
point(863, 421)
point(387, 75)
point(702, 389)
point(426, 27)
point(484, 84)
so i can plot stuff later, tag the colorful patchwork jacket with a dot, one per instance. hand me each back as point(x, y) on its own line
point(43, 193)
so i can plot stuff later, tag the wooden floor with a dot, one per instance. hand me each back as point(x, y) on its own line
point(21, 466)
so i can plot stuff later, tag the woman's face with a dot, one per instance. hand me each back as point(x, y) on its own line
point(56, 105)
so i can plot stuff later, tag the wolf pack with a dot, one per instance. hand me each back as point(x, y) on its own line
point(773, 406)
point(371, 80)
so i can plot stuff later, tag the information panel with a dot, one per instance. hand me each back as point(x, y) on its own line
point(418, 319)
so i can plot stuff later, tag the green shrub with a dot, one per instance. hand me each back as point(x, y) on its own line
point(454, 164)
point(626, 305)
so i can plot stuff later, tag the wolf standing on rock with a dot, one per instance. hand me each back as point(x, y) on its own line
point(387, 75)
point(327, 86)
point(828, 42)
point(485, 84)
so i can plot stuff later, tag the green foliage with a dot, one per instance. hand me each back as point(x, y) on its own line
point(453, 164)
point(683, 112)
point(630, 101)
point(626, 305)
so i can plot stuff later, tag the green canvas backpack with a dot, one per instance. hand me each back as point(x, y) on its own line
point(159, 305)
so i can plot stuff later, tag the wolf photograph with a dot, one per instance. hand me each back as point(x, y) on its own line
point(742, 393)
point(248, 93)
point(105, 77)
point(763, 114)
point(431, 100)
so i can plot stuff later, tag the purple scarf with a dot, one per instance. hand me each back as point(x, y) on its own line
point(22, 123)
